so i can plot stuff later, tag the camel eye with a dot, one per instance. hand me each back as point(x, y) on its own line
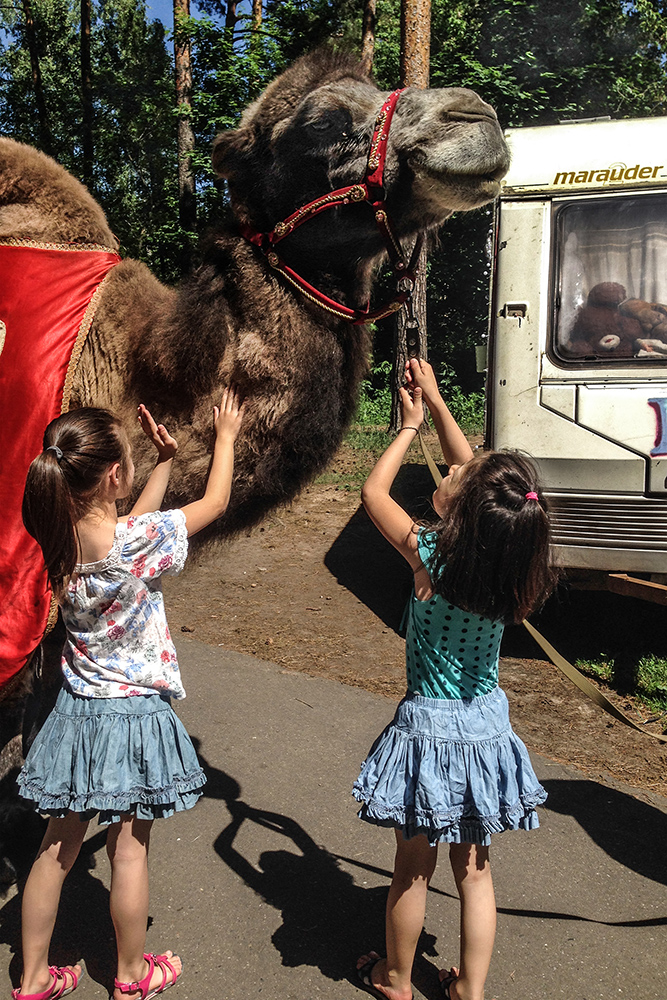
point(323, 125)
point(334, 124)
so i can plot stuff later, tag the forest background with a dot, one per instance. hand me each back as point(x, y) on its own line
point(535, 62)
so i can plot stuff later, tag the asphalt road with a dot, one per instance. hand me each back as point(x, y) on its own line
point(271, 886)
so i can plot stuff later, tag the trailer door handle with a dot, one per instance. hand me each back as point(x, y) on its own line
point(514, 310)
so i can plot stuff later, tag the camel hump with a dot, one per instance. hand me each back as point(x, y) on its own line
point(41, 201)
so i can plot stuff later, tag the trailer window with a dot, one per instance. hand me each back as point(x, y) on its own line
point(612, 279)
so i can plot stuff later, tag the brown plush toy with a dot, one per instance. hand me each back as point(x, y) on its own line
point(601, 328)
point(651, 315)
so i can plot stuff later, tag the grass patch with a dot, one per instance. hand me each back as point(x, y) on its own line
point(372, 440)
point(359, 452)
point(651, 687)
point(355, 458)
point(350, 480)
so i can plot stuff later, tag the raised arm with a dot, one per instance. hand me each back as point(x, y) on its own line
point(152, 495)
point(227, 421)
point(389, 517)
point(455, 448)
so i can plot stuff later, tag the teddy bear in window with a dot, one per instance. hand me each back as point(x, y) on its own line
point(602, 328)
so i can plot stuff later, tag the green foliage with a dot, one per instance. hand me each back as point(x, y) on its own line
point(535, 61)
point(466, 408)
point(57, 50)
point(132, 77)
point(374, 407)
point(651, 687)
point(368, 438)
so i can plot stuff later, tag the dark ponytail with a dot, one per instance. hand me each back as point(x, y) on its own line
point(64, 480)
point(492, 554)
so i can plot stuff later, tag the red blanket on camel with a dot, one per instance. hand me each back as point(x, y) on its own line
point(48, 295)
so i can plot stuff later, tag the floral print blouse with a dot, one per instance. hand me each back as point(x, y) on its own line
point(118, 642)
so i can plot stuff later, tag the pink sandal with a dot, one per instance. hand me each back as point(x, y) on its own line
point(163, 964)
point(54, 991)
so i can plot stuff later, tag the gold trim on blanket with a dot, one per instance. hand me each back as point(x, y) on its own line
point(12, 241)
point(53, 616)
point(80, 341)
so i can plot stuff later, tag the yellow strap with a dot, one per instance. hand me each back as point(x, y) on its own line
point(428, 458)
point(559, 661)
point(585, 685)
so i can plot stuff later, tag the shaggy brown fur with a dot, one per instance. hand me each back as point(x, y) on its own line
point(234, 319)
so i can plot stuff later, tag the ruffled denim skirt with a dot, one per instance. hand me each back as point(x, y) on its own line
point(453, 770)
point(112, 756)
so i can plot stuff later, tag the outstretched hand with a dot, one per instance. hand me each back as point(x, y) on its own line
point(228, 417)
point(420, 373)
point(166, 445)
point(412, 408)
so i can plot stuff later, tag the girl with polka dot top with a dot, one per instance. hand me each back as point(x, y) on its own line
point(449, 768)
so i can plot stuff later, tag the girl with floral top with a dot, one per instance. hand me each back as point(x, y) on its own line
point(112, 745)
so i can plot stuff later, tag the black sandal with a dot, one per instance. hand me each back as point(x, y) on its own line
point(365, 975)
point(446, 984)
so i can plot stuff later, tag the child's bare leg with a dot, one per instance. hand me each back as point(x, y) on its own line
point(57, 853)
point(406, 905)
point(127, 847)
point(472, 872)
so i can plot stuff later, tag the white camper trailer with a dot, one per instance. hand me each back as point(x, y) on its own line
point(577, 371)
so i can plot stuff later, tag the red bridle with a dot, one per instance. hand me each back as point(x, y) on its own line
point(371, 191)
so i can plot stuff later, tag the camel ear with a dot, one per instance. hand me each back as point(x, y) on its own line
point(230, 151)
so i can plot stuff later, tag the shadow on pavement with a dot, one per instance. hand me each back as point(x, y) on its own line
point(631, 832)
point(366, 564)
point(328, 921)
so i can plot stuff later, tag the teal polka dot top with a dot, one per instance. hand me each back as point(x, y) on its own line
point(450, 653)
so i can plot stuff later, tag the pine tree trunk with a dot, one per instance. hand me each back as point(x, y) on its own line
point(187, 205)
point(415, 42)
point(230, 19)
point(45, 140)
point(86, 96)
point(415, 57)
point(403, 350)
point(256, 17)
point(255, 42)
point(368, 36)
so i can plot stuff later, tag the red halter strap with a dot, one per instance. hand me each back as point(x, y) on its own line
point(371, 191)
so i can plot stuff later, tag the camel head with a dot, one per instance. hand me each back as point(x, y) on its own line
point(310, 133)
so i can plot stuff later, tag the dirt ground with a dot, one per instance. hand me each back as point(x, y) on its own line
point(317, 589)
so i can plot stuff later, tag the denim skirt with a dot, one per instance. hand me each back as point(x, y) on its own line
point(112, 756)
point(454, 770)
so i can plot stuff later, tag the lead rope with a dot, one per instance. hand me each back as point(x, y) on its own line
point(559, 661)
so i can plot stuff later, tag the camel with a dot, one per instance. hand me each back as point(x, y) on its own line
point(235, 320)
